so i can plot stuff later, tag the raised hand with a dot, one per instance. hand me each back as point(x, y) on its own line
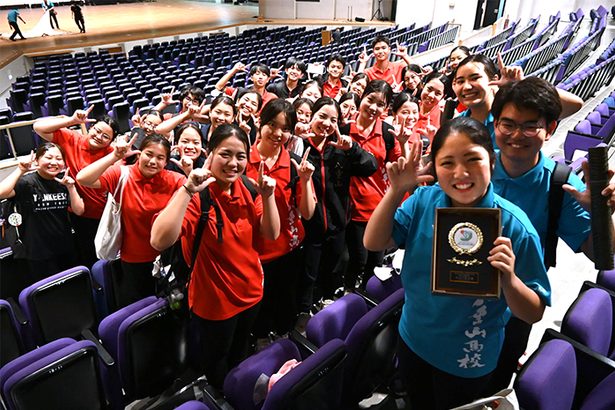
point(243, 124)
point(305, 169)
point(81, 116)
point(167, 98)
point(408, 172)
point(344, 142)
point(275, 72)
point(402, 132)
point(364, 56)
point(429, 131)
point(136, 119)
point(184, 163)
point(239, 67)
point(265, 185)
point(28, 164)
point(122, 146)
point(400, 50)
point(200, 178)
point(303, 130)
point(507, 73)
point(67, 181)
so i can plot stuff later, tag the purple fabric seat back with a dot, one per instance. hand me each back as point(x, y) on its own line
point(602, 397)
point(548, 379)
point(46, 306)
point(63, 367)
point(193, 405)
point(592, 307)
point(380, 290)
point(603, 109)
point(594, 118)
point(610, 102)
point(606, 278)
point(336, 320)
point(584, 127)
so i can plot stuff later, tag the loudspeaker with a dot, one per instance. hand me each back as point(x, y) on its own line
point(360, 19)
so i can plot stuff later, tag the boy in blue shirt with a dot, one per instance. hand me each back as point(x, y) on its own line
point(526, 114)
point(12, 17)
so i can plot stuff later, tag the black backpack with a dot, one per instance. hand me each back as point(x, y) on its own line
point(175, 281)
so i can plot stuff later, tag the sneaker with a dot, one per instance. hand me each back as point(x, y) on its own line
point(326, 302)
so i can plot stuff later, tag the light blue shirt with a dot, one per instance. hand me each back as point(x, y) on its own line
point(460, 335)
point(12, 16)
point(489, 123)
point(530, 192)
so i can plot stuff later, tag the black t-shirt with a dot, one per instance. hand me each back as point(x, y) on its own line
point(43, 204)
point(76, 10)
point(280, 89)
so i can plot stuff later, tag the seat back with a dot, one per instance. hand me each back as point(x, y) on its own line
point(548, 379)
point(336, 320)
point(589, 320)
point(61, 305)
point(121, 113)
point(23, 135)
point(606, 278)
point(63, 374)
point(602, 397)
point(11, 343)
point(381, 289)
point(372, 344)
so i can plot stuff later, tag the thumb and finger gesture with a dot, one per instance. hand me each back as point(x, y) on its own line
point(81, 116)
point(305, 169)
point(265, 185)
point(344, 142)
point(28, 164)
point(66, 180)
point(507, 73)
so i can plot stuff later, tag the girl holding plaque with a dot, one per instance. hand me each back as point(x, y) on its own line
point(450, 344)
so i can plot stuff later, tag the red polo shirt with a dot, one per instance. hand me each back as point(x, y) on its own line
point(143, 198)
point(331, 90)
point(266, 95)
point(78, 155)
point(391, 75)
point(432, 118)
point(291, 228)
point(367, 192)
point(227, 277)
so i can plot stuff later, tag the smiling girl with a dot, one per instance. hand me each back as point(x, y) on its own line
point(450, 345)
point(226, 284)
point(42, 199)
point(188, 137)
point(147, 189)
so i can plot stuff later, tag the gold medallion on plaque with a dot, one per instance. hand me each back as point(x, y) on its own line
point(466, 239)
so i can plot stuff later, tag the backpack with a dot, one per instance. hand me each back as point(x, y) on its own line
point(560, 176)
point(171, 269)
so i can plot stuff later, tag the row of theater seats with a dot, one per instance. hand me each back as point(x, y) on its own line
point(54, 345)
point(597, 129)
point(575, 368)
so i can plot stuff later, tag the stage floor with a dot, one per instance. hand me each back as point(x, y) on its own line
point(136, 21)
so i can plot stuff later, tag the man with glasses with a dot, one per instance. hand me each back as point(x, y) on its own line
point(80, 151)
point(526, 114)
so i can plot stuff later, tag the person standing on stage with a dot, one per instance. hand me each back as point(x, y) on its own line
point(49, 6)
point(78, 16)
point(12, 17)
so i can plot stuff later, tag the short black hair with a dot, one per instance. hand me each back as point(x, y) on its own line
point(379, 86)
point(401, 99)
point(243, 91)
point(260, 67)
point(111, 122)
point(196, 92)
point(292, 62)
point(531, 93)
point(338, 58)
point(275, 107)
point(380, 39)
point(324, 101)
point(490, 69)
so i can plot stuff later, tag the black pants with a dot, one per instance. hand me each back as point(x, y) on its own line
point(16, 30)
point(279, 305)
point(53, 18)
point(85, 231)
point(320, 259)
point(79, 20)
point(430, 388)
point(362, 262)
point(43, 268)
point(223, 343)
point(133, 282)
point(516, 335)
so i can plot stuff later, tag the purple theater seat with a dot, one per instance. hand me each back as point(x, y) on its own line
point(11, 341)
point(314, 383)
point(380, 290)
point(606, 278)
point(336, 320)
point(603, 109)
point(61, 305)
point(548, 379)
point(594, 118)
point(602, 397)
point(589, 320)
point(59, 375)
point(584, 127)
point(193, 405)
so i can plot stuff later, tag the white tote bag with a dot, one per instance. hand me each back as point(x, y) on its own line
point(108, 239)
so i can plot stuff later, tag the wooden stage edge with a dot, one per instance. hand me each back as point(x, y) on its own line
point(64, 43)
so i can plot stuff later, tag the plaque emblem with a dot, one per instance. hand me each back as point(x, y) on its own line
point(466, 239)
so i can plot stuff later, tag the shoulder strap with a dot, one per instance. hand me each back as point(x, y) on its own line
point(389, 139)
point(560, 176)
point(246, 182)
point(205, 205)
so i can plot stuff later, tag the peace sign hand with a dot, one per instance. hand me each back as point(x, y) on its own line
point(305, 169)
point(167, 98)
point(184, 163)
point(122, 147)
point(81, 116)
point(344, 142)
point(508, 74)
point(200, 178)
point(66, 180)
point(28, 164)
point(265, 185)
point(408, 172)
point(402, 132)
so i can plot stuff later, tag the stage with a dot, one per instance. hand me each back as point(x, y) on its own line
point(112, 24)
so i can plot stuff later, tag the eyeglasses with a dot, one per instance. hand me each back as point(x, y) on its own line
point(101, 133)
point(508, 127)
